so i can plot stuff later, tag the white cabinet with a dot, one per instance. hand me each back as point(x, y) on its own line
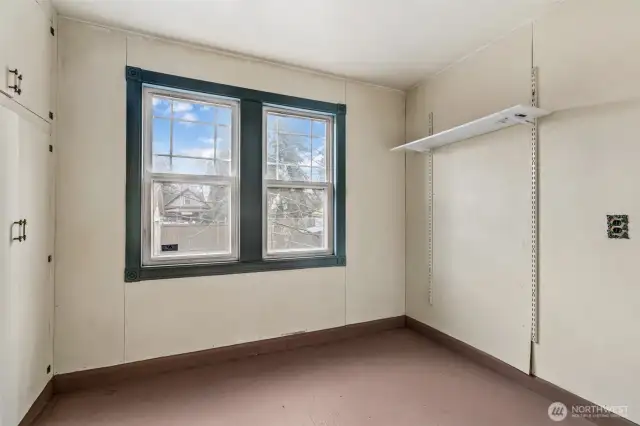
point(26, 287)
point(7, 29)
point(26, 47)
point(26, 194)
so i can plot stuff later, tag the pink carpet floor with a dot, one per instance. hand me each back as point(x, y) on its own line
point(395, 378)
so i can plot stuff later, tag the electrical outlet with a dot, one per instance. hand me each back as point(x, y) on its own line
point(618, 226)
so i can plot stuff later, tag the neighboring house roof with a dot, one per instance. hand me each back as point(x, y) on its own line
point(177, 201)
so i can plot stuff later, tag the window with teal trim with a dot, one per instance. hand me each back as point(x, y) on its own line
point(224, 179)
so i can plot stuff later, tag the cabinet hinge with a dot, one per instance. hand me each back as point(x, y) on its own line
point(50, 148)
point(53, 31)
point(49, 258)
point(50, 115)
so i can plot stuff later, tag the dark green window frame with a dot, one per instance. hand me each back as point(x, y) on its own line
point(251, 235)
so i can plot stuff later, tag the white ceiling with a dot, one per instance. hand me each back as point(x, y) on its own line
point(394, 43)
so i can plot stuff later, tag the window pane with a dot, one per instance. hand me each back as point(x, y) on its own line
point(223, 115)
point(192, 166)
point(272, 122)
point(289, 149)
point(274, 171)
point(191, 219)
point(222, 167)
point(295, 125)
point(223, 142)
point(192, 111)
point(193, 139)
point(319, 129)
point(161, 106)
point(318, 159)
point(272, 147)
point(161, 163)
point(295, 219)
point(161, 136)
point(296, 148)
point(298, 173)
point(318, 174)
point(203, 112)
point(294, 173)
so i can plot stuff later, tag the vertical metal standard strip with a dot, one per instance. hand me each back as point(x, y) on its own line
point(534, 210)
point(430, 212)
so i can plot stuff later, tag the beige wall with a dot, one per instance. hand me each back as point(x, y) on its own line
point(102, 321)
point(589, 156)
point(589, 339)
point(481, 206)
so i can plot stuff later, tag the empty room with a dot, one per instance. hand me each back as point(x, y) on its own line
point(319, 212)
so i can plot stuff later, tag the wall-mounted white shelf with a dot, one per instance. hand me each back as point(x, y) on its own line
point(519, 114)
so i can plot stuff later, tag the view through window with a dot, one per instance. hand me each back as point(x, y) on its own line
point(298, 182)
point(190, 177)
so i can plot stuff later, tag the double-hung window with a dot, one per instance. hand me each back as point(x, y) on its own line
point(223, 179)
point(298, 183)
point(190, 178)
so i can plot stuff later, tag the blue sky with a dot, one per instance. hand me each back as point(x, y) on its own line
point(204, 130)
point(199, 130)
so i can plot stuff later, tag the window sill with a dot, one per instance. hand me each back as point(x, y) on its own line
point(184, 271)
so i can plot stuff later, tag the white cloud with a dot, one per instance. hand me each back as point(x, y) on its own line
point(188, 116)
point(181, 107)
point(156, 101)
point(208, 141)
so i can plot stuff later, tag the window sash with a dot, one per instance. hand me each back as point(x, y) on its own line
point(327, 186)
point(186, 178)
point(149, 178)
point(327, 248)
point(188, 258)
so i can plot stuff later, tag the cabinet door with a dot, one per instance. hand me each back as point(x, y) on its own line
point(9, 125)
point(29, 51)
point(7, 44)
point(30, 269)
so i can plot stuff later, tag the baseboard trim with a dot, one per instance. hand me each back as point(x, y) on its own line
point(106, 376)
point(38, 405)
point(533, 383)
